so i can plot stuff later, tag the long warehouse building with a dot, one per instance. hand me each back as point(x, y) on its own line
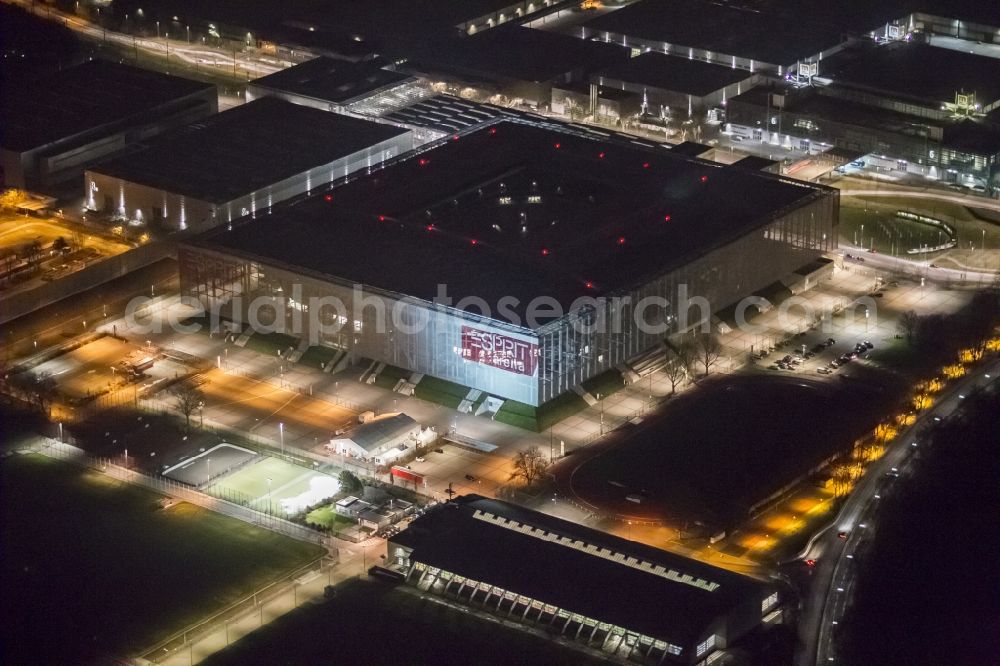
point(239, 162)
point(543, 571)
point(515, 261)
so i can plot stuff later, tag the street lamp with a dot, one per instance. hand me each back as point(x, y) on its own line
point(602, 412)
point(209, 474)
point(281, 436)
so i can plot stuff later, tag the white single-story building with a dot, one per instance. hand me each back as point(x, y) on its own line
point(381, 440)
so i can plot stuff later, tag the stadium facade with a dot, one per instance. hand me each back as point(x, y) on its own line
point(515, 261)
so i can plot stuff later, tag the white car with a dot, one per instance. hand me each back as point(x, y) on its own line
point(419, 459)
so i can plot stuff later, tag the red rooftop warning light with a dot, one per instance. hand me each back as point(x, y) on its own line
point(381, 218)
point(474, 241)
point(666, 218)
point(545, 251)
point(600, 155)
point(327, 197)
point(423, 161)
point(557, 146)
point(430, 227)
point(454, 138)
point(590, 285)
point(621, 240)
point(493, 130)
point(704, 179)
point(645, 165)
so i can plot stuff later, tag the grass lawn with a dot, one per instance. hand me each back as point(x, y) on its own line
point(605, 384)
point(538, 419)
point(319, 356)
point(287, 482)
point(95, 566)
point(271, 343)
point(390, 376)
point(372, 622)
point(326, 516)
point(898, 355)
point(441, 391)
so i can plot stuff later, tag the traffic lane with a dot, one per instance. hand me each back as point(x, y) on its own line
point(835, 548)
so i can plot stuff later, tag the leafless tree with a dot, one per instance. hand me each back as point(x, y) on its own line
point(187, 399)
point(529, 465)
point(707, 350)
point(33, 253)
point(908, 324)
point(676, 371)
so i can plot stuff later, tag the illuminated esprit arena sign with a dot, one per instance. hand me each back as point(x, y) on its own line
point(499, 351)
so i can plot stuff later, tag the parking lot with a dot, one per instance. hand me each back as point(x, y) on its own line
point(283, 414)
point(88, 370)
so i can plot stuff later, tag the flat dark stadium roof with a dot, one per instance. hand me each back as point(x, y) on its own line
point(330, 80)
point(452, 538)
point(95, 94)
point(921, 71)
point(246, 148)
point(727, 30)
point(674, 73)
point(515, 210)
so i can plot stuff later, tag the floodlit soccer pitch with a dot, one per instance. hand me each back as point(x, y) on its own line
point(291, 488)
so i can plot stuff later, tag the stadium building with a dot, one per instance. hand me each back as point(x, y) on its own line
point(516, 261)
point(904, 107)
point(683, 85)
point(715, 33)
point(240, 162)
point(546, 572)
point(79, 115)
point(336, 85)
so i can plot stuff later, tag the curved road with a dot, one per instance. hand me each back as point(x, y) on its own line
point(960, 199)
point(835, 574)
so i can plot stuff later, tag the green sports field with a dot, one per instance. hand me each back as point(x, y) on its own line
point(95, 566)
point(291, 487)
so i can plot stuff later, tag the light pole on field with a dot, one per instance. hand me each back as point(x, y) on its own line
point(269, 496)
point(281, 437)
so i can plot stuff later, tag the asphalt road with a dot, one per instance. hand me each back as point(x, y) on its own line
point(70, 316)
point(835, 574)
point(885, 262)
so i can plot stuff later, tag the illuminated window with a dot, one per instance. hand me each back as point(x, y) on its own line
point(706, 645)
point(768, 602)
point(505, 201)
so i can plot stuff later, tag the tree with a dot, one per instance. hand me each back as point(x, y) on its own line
point(529, 465)
point(676, 371)
point(7, 263)
point(60, 245)
point(909, 324)
point(33, 253)
point(350, 483)
point(187, 398)
point(707, 349)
